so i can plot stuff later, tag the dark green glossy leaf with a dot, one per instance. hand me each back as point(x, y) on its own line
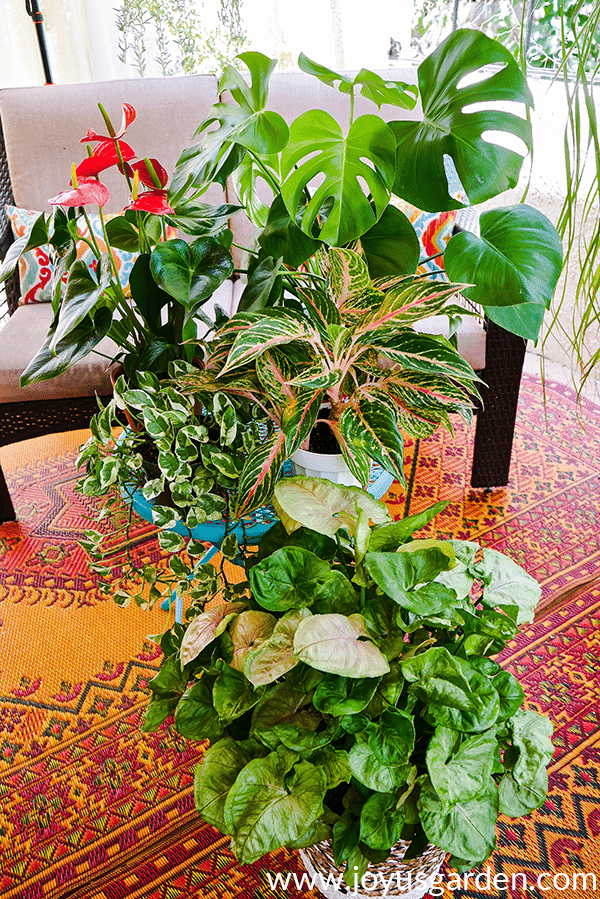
point(52, 361)
point(467, 828)
point(195, 716)
point(216, 774)
point(190, 272)
point(391, 245)
point(338, 696)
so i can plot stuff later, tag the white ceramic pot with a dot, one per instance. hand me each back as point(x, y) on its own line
point(324, 465)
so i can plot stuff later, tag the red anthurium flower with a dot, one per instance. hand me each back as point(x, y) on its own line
point(88, 191)
point(154, 201)
point(128, 118)
point(104, 156)
point(145, 176)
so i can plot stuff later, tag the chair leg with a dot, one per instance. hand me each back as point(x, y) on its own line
point(7, 511)
point(505, 355)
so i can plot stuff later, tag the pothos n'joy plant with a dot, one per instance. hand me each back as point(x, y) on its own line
point(349, 692)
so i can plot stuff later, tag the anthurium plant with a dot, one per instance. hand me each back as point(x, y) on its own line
point(332, 186)
point(346, 355)
point(348, 687)
point(151, 315)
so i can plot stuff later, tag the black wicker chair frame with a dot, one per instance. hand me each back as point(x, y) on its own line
point(505, 354)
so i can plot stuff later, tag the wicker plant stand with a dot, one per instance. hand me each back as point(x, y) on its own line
point(408, 880)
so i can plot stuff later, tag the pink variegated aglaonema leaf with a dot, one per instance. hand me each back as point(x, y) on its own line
point(408, 302)
point(355, 457)
point(259, 474)
point(281, 327)
point(299, 417)
point(372, 427)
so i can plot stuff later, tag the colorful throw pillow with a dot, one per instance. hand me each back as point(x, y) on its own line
point(35, 268)
point(434, 230)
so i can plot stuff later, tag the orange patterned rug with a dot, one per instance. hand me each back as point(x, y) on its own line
point(93, 809)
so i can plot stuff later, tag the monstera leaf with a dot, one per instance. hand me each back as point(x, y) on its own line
point(514, 265)
point(449, 134)
point(247, 126)
point(372, 86)
point(338, 173)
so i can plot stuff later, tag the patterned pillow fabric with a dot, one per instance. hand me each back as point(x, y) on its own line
point(434, 230)
point(35, 268)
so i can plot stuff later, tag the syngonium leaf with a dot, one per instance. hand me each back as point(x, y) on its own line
point(460, 769)
point(525, 784)
point(216, 774)
point(323, 506)
point(195, 716)
point(506, 685)
point(508, 586)
point(380, 757)
point(354, 192)
point(466, 827)
point(205, 627)
point(275, 656)
point(248, 125)
point(454, 693)
point(233, 696)
point(249, 630)
point(406, 577)
point(338, 696)
point(391, 536)
point(332, 643)
point(291, 578)
point(450, 134)
point(273, 802)
point(381, 822)
point(190, 272)
point(514, 265)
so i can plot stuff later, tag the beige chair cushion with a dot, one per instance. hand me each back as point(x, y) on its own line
point(471, 337)
point(26, 331)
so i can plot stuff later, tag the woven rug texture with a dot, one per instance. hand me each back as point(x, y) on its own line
point(91, 808)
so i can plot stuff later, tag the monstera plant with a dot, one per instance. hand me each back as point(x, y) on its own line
point(348, 688)
point(314, 183)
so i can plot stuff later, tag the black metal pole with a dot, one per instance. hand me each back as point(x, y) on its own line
point(33, 10)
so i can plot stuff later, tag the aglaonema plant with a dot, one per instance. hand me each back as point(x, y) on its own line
point(352, 346)
point(349, 691)
point(330, 185)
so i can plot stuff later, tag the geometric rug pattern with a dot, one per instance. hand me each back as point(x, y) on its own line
point(91, 808)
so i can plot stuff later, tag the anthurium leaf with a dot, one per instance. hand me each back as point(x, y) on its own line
point(448, 129)
point(259, 474)
point(273, 802)
point(282, 238)
point(201, 219)
point(50, 362)
point(190, 272)
point(507, 585)
point(195, 716)
point(12, 256)
point(205, 627)
point(391, 536)
point(339, 696)
point(514, 265)
point(290, 578)
point(323, 506)
point(82, 294)
point(282, 326)
point(275, 656)
point(467, 828)
point(525, 784)
point(260, 285)
point(216, 774)
point(317, 146)
point(149, 298)
point(380, 758)
point(249, 630)
point(371, 426)
point(233, 695)
point(460, 769)
point(391, 245)
point(381, 822)
point(332, 643)
point(122, 234)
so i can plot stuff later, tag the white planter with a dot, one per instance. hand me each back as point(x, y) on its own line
point(324, 465)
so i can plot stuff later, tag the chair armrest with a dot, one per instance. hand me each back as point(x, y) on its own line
point(6, 236)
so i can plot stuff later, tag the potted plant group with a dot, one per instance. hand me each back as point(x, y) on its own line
point(348, 689)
